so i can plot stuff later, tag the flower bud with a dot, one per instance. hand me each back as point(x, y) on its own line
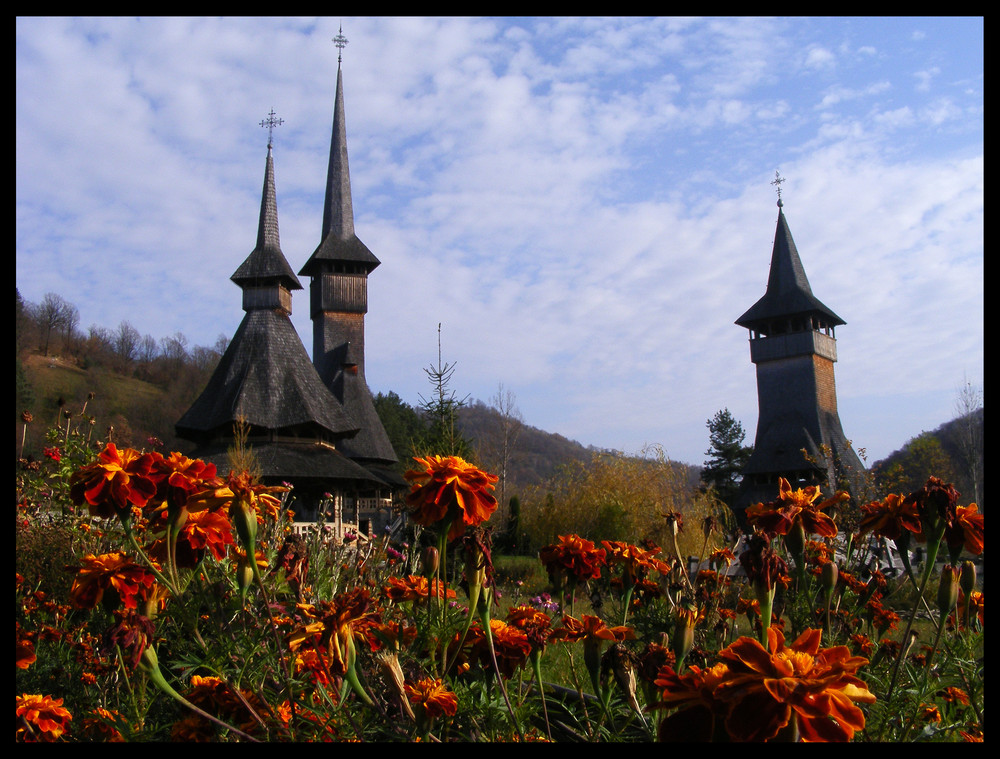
point(683, 638)
point(947, 597)
point(430, 560)
point(967, 580)
point(829, 575)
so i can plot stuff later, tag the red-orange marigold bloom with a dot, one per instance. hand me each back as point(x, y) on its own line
point(890, 517)
point(794, 507)
point(590, 629)
point(183, 477)
point(114, 571)
point(951, 694)
point(340, 622)
point(432, 696)
point(24, 648)
point(966, 531)
point(697, 714)
point(116, 481)
point(634, 560)
point(100, 726)
point(767, 688)
point(40, 718)
point(260, 499)
point(208, 530)
point(577, 557)
point(451, 490)
point(533, 623)
point(415, 588)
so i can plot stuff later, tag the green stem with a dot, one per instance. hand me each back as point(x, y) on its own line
point(151, 667)
point(536, 665)
point(933, 543)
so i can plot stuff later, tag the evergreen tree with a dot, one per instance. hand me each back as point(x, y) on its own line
point(727, 456)
point(443, 437)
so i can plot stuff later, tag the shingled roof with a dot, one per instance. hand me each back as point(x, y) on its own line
point(266, 377)
point(788, 292)
point(303, 463)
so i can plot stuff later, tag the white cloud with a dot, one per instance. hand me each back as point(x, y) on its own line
point(583, 204)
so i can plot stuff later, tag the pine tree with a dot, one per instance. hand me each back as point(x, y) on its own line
point(727, 456)
point(443, 437)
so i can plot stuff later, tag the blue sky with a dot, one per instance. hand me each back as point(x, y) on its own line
point(583, 204)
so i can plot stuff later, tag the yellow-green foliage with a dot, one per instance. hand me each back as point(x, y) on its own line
point(618, 497)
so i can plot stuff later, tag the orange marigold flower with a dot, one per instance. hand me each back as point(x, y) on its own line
point(533, 623)
point(936, 503)
point(40, 718)
point(634, 560)
point(929, 713)
point(432, 698)
point(890, 517)
point(589, 628)
point(795, 508)
point(392, 635)
point(510, 644)
point(722, 556)
point(100, 726)
point(448, 489)
point(339, 623)
point(260, 500)
point(184, 477)
point(951, 694)
point(116, 481)
point(971, 606)
point(697, 713)
point(208, 530)
point(415, 588)
point(763, 566)
point(576, 558)
point(115, 572)
point(768, 688)
point(966, 531)
point(24, 648)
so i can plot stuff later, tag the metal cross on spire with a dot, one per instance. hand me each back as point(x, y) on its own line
point(778, 179)
point(270, 122)
point(341, 42)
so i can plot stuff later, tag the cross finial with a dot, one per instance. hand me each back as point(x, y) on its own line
point(270, 122)
point(341, 42)
point(778, 179)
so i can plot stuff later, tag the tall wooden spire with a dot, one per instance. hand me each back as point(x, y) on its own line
point(338, 270)
point(792, 343)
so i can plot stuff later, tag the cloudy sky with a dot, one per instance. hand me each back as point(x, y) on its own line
point(583, 204)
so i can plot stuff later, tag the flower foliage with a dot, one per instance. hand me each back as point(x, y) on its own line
point(270, 633)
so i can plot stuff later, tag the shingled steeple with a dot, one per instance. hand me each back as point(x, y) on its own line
point(792, 343)
point(338, 271)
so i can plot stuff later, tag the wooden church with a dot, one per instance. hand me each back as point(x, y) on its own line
point(794, 347)
point(311, 423)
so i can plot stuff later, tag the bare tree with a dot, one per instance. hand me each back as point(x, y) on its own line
point(126, 345)
point(968, 407)
point(51, 315)
point(174, 349)
point(68, 327)
point(501, 446)
point(147, 350)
